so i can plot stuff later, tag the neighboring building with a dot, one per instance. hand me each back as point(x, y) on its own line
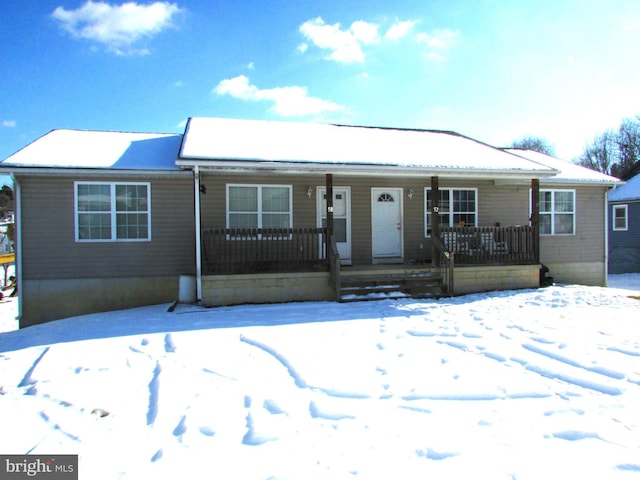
point(624, 227)
point(110, 220)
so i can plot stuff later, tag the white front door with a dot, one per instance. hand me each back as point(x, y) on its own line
point(341, 219)
point(386, 223)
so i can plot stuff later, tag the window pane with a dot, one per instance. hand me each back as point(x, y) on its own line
point(243, 220)
point(545, 224)
point(545, 201)
point(464, 201)
point(94, 198)
point(243, 199)
point(132, 226)
point(278, 220)
point(563, 201)
point(131, 198)
point(94, 226)
point(275, 199)
point(563, 224)
point(469, 219)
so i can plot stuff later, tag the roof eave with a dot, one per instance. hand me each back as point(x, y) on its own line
point(88, 172)
point(236, 166)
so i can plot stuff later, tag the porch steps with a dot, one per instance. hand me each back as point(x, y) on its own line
point(380, 286)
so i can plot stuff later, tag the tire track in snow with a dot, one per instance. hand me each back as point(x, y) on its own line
point(27, 380)
point(154, 392)
point(297, 379)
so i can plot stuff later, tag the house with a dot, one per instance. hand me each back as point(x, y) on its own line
point(573, 234)
point(624, 227)
point(260, 211)
point(104, 220)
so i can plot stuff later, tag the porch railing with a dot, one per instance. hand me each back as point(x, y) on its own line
point(263, 250)
point(334, 266)
point(490, 245)
point(444, 262)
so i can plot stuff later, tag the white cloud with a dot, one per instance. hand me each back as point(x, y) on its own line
point(344, 45)
point(117, 27)
point(9, 123)
point(439, 39)
point(400, 29)
point(437, 42)
point(287, 101)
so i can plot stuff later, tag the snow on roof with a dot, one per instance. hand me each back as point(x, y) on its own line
point(569, 172)
point(626, 192)
point(216, 139)
point(99, 149)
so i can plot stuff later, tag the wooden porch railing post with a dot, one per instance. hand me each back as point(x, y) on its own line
point(435, 219)
point(535, 217)
point(329, 190)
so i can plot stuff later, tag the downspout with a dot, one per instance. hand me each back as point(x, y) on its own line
point(606, 238)
point(198, 232)
point(17, 222)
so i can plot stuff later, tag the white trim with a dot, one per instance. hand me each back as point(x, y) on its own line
point(17, 195)
point(622, 206)
point(606, 239)
point(320, 190)
point(375, 191)
point(113, 212)
point(553, 213)
point(259, 212)
point(198, 232)
point(427, 210)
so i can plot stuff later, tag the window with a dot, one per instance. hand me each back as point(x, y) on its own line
point(259, 206)
point(557, 212)
point(457, 207)
point(620, 219)
point(110, 212)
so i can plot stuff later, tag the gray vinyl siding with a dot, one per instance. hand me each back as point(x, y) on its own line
point(49, 249)
point(624, 245)
point(507, 205)
point(588, 243)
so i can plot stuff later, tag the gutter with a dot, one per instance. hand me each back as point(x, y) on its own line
point(198, 223)
point(363, 169)
point(17, 195)
point(88, 172)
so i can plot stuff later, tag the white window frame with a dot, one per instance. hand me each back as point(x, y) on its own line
point(553, 213)
point(259, 212)
point(113, 212)
point(427, 210)
point(624, 208)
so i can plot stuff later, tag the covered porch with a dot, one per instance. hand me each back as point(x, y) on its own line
point(306, 260)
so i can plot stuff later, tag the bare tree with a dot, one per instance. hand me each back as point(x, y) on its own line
point(536, 144)
point(614, 152)
point(601, 155)
point(628, 148)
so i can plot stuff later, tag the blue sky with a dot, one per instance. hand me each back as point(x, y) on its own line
point(496, 71)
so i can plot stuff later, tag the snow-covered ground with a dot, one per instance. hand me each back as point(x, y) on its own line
point(524, 384)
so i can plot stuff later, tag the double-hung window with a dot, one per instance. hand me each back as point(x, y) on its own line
point(457, 206)
point(109, 212)
point(620, 218)
point(557, 212)
point(259, 206)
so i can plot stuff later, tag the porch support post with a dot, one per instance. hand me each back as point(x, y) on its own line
point(435, 219)
point(198, 223)
point(535, 217)
point(329, 189)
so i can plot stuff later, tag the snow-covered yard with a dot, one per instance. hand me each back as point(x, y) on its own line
point(510, 385)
